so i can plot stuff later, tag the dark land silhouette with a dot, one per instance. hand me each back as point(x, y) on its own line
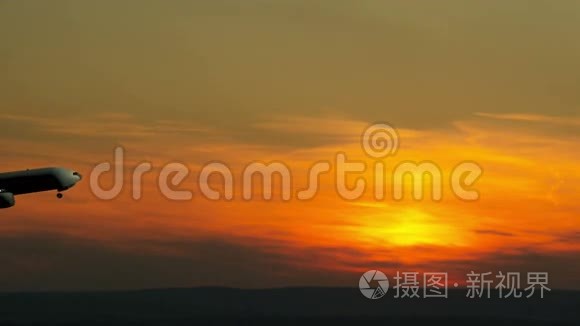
point(287, 306)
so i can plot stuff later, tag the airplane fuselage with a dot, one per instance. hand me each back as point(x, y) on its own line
point(35, 180)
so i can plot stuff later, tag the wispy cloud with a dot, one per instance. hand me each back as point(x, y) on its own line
point(108, 124)
point(324, 126)
point(526, 117)
point(494, 232)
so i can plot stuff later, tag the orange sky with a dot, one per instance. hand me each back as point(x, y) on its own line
point(527, 207)
point(196, 83)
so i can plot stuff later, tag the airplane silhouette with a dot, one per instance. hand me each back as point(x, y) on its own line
point(35, 180)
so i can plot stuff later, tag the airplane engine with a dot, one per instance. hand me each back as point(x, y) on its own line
point(6, 200)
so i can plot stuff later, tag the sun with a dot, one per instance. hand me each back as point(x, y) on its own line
point(415, 228)
point(412, 227)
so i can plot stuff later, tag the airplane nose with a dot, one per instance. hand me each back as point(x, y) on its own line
point(78, 175)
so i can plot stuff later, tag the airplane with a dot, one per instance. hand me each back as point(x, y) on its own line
point(35, 180)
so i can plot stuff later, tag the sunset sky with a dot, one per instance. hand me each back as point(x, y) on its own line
point(493, 82)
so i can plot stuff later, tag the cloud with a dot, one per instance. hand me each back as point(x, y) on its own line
point(108, 124)
point(346, 130)
point(572, 238)
point(44, 262)
point(494, 232)
point(568, 121)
